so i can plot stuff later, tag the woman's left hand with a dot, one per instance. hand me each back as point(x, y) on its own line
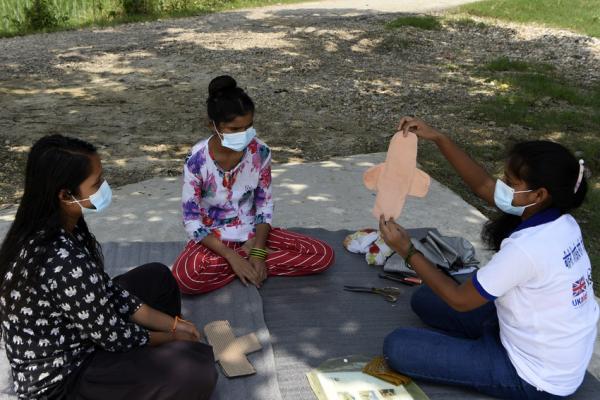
point(394, 236)
point(260, 267)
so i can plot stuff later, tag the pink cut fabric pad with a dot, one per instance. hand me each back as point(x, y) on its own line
point(397, 177)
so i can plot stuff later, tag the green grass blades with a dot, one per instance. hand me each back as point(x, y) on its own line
point(426, 22)
point(581, 16)
point(533, 95)
point(506, 64)
point(70, 14)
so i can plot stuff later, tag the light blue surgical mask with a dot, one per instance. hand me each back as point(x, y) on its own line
point(236, 141)
point(100, 200)
point(503, 197)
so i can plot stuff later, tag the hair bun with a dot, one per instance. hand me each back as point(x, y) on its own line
point(221, 84)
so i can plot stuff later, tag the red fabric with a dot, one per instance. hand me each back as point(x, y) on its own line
point(200, 270)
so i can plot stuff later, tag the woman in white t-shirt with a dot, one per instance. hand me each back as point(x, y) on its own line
point(524, 326)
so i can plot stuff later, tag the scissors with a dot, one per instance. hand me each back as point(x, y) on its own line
point(389, 293)
point(402, 278)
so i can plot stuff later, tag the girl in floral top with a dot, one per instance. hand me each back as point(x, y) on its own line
point(228, 205)
point(70, 331)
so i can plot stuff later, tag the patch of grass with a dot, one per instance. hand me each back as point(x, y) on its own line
point(452, 67)
point(426, 22)
point(506, 64)
point(466, 23)
point(535, 96)
point(40, 14)
point(73, 14)
point(393, 43)
point(581, 16)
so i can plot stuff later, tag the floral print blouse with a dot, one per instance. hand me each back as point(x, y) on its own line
point(56, 319)
point(228, 204)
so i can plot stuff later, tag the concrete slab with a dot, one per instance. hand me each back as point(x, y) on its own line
point(327, 194)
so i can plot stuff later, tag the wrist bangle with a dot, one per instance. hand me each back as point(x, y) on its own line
point(258, 253)
point(411, 252)
point(174, 327)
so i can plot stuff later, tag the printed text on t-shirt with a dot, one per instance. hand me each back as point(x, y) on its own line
point(574, 253)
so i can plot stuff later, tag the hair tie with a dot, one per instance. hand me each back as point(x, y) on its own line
point(580, 177)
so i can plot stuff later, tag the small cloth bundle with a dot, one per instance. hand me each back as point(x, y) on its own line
point(379, 369)
point(456, 255)
point(450, 253)
point(368, 242)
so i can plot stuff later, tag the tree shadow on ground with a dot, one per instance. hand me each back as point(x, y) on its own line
point(325, 84)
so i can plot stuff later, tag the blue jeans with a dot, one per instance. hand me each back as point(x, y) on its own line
point(464, 349)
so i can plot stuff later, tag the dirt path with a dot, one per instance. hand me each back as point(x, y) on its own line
point(326, 83)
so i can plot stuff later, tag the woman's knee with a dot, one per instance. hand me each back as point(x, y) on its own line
point(157, 269)
point(328, 255)
point(161, 275)
point(166, 276)
point(396, 347)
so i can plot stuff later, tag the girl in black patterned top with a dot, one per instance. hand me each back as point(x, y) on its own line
point(70, 331)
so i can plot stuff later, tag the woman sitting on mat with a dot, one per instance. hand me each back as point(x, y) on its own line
point(524, 326)
point(228, 205)
point(70, 331)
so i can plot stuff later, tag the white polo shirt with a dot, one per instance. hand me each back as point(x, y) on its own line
point(541, 281)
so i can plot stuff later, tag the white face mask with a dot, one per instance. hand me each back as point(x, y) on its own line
point(100, 200)
point(236, 141)
point(504, 196)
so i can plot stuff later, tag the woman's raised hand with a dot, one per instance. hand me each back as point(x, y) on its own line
point(394, 236)
point(419, 128)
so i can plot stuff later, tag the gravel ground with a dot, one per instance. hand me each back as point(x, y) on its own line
point(325, 83)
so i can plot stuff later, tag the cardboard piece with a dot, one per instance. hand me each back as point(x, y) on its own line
point(230, 351)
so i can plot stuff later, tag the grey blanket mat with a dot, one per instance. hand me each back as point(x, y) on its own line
point(241, 305)
point(311, 319)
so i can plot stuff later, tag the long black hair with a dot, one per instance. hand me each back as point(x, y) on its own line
point(541, 164)
point(226, 100)
point(54, 163)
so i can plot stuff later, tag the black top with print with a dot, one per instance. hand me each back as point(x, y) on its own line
point(57, 319)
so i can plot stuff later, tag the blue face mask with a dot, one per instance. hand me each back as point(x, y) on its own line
point(236, 141)
point(100, 200)
point(503, 197)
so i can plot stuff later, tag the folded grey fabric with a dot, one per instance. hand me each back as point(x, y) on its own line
point(397, 264)
point(451, 253)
